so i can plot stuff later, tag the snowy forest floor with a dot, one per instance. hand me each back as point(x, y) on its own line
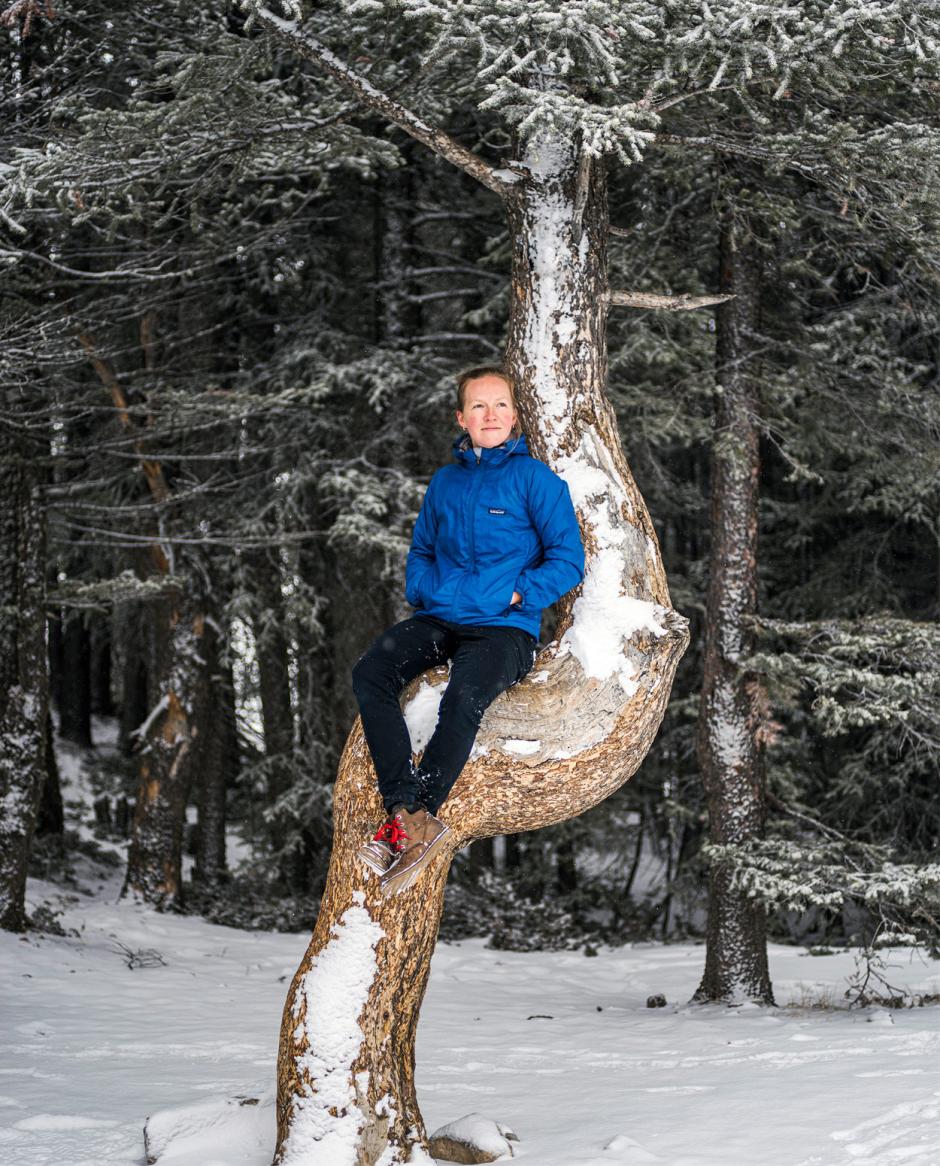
point(559, 1046)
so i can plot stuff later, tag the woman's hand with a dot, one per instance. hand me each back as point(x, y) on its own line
point(516, 598)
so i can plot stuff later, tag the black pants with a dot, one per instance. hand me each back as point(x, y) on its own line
point(484, 662)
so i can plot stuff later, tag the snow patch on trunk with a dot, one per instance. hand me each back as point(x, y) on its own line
point(605, 618)
point(521, 746)
point(327, 1123)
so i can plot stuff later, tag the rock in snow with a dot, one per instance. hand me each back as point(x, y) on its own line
point(220, 1130)
point(473, 1138)
point(634, 1153)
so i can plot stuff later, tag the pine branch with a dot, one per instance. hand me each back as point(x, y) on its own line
point(818, 171)
point(135, 274)
point(435, 139)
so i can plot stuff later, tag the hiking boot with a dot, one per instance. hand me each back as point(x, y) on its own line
point(381, 851)
point(423, 834)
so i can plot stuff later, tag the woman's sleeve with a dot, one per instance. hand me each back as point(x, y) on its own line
point(421, 556)
point(562, 565)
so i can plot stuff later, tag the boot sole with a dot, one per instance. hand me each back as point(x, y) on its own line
point(372, 863)
point(413, 871)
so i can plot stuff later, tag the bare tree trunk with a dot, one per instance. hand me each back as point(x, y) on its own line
point(591, 707)
point(728, 751)
point(637, 854)
point(129, 622)
point(102, 703)
point(398, 316)
point(51, 819)
point(75, 682)
point(154, 860)
point(273, 669)
point(24, 677)
point(216, 759)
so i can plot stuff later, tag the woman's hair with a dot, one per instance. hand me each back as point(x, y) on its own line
point(487, 370)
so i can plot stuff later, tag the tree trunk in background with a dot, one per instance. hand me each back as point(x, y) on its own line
point(74, 686)
point(274, 682)
point(591, 723)
point(727, 746)
point(216, 760)
point(481, 855)
point(24, 677)
point(398, 315)
point(51, 811)
point(54, 636)
point(566, 870)
point(319, 694)
point(102, 702)
point(128, 630)
point(176, 643)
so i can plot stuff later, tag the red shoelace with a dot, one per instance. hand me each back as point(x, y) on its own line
point(393, 834)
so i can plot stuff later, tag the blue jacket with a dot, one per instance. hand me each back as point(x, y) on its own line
point(490, 527)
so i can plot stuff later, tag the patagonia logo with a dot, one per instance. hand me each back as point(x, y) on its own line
point(496, 510)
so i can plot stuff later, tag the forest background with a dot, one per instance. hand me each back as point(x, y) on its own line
point(235, 300)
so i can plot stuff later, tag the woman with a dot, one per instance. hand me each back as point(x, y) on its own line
point(497, 539)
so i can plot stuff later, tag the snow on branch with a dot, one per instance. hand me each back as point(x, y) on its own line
point(624, 129)
point(100, 594)
point(434, 138)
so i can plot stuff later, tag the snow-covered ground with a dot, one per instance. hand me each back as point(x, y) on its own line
point(559, 1046)
point(138, 1013)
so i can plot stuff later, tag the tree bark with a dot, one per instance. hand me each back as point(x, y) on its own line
point(134, 702)
point(24, 677)
point(51, 819)
point(398, 317)
point(590, 707)
point(102, 703)
point(273, 669)
point(727, 745)
point(217, 757)
point(176, 628)
point(74, 686)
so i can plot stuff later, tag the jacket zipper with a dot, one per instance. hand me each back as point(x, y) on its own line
point(474, 490)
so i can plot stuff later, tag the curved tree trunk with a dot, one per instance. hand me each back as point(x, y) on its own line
point(727, 738)
point(588, 711)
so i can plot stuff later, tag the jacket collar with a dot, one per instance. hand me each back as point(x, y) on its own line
point(463, 452)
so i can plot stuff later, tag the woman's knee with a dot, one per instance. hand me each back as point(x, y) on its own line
point(372, 674)
point(467, 703)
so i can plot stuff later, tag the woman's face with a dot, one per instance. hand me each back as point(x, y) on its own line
point(488, 414)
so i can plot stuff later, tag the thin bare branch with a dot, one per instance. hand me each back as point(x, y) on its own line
point(681, 303)
point(307, 45)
